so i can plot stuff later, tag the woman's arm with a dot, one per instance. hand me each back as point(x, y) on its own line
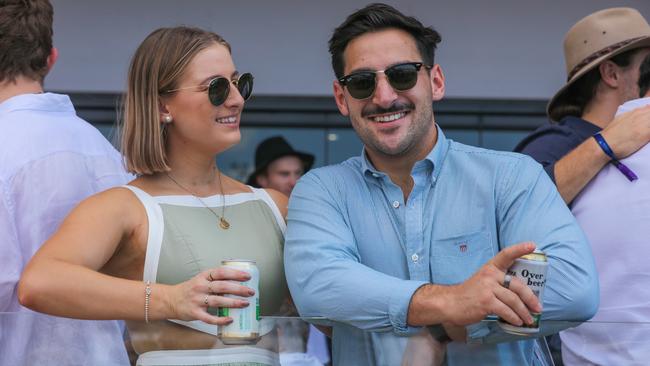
point(107, 233)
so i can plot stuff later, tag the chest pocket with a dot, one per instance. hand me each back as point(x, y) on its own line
point(455, 259)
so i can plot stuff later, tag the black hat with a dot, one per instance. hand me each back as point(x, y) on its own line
point(272, 149)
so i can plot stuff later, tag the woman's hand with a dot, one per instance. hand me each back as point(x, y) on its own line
point(190, 300)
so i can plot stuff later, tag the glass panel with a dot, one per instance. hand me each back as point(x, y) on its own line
point(28, 338)
point(35, 339)
point(468, 137)
point(503, 140)
point(329, 146)
point(448, 121)
point(515, 122)
point(109, 131)
point(239, 161)
point(342, 143)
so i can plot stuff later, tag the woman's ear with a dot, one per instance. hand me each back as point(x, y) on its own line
point(163, 111)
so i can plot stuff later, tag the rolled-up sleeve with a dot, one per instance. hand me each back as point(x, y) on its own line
point(323, 266)
point(531, 209)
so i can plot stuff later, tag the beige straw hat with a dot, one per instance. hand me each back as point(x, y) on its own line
point(594, 39)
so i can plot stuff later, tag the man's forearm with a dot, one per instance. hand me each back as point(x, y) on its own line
point(426, 306)
point(577, 168)
point(480, 295)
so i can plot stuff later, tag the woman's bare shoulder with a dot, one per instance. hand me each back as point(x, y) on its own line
point(117, 203)
point(280, 200)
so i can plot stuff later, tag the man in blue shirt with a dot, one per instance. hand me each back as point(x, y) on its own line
point(419, 230)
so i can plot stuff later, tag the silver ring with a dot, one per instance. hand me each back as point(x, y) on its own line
point(205, 301)
point(506, 281)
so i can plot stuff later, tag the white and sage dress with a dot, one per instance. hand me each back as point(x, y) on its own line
point(184, 239)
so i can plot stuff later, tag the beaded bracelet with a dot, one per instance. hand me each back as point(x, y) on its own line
point(147, 295)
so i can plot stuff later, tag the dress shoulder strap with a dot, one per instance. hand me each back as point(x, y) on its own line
point(155, 236)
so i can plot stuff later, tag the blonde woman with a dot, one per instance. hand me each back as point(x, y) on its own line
point(151, 251)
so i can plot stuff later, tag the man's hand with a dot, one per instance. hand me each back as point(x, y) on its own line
point(481, 295)
point(628, 132)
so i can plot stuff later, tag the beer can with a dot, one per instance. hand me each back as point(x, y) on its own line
point(245, 327)
point(530, 269)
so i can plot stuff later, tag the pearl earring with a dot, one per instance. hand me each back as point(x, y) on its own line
point(167, 118)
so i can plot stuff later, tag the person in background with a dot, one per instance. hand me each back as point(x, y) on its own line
point(50, 160)
point(278, 165)
point(158, 242)
point(417, 233)
point(602, 53)
point(620, 243)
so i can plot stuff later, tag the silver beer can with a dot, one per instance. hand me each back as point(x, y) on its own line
point(530, 269)
point(245, 327)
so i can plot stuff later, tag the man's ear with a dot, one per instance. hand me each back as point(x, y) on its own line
point(51, 59)
point(437, 82)
point(339, 97)
point(609, 73)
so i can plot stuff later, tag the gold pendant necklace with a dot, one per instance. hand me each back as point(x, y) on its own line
point(223, 223)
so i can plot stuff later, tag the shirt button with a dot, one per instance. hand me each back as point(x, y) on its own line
point(396, 204)
point(415, 257)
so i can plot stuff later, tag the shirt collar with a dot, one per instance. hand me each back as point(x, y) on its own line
point(583, 128)
point(50, 102)
point(575, 120)
point(432, 162)
point(633, 104)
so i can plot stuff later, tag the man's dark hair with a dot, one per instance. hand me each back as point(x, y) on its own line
point(25, 39)
point(644, 77)
point(580, 93)
point(376, 17)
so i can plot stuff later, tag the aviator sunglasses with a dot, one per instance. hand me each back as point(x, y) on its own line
point(361, 84)
point(219, 88)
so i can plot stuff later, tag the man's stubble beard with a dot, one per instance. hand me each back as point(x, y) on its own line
point(422, 121)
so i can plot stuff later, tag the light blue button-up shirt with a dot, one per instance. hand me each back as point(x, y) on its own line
point(356, 252)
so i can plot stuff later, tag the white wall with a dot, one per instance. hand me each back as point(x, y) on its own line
point(490, 49)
